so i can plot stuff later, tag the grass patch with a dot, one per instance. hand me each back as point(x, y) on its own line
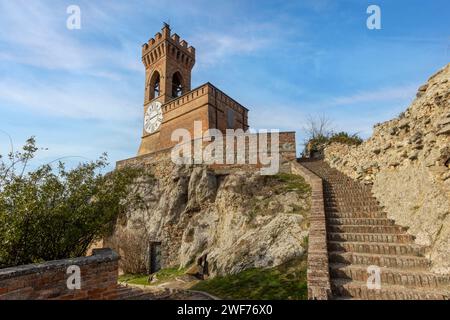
point(141, 279)
point(285, 282)
point(162, 275)
point(292, 182)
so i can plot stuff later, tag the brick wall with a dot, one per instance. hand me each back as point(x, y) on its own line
point(318, 277)
point(206, 104)
point(287, 153)
point(48, 280)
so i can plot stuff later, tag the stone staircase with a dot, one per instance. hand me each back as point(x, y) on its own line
point(135, 292)
point(360, 235)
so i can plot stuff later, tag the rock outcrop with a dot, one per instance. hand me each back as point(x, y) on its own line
point(240, 219)
point(407, 162)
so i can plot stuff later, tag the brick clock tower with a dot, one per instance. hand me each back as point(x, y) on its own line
point(169, 102)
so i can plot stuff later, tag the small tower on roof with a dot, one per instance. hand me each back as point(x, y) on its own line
point(168, 64)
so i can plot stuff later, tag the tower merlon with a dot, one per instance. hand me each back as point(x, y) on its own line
point(164, 42)
point(165, 31)
point(176, 38)
point(184, 44)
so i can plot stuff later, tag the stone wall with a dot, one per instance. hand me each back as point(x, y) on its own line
point(407, 160)
point(48, 280)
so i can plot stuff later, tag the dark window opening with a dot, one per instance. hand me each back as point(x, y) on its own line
point(177, 85)
point(155, 86)
point(230, 118)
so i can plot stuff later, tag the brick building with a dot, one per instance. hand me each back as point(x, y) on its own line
point(169, 101)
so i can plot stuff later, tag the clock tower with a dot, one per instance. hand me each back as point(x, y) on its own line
point(170, 102)
point(168, 63)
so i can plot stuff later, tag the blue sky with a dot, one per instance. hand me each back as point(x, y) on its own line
point(80, 92)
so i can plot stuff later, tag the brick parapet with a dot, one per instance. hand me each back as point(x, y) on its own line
point(48, 280)
point(287, 153)
point(318, 277)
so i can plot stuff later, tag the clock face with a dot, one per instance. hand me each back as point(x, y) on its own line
point(153, 117)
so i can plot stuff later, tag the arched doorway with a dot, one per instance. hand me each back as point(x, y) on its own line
point(154, 87)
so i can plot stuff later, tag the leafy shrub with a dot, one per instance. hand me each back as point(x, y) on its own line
point(345, 138)
point(318, 143)
point(55, 213)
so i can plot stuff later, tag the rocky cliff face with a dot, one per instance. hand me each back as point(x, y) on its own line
point(241, 220)
point(407, 160)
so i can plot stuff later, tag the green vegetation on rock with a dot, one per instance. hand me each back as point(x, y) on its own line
point(291, 182)
point(162, 275)
point(285, 282)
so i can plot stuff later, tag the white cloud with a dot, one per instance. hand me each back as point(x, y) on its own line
point(214, 48)
point(292, 116)
point(63, 100)
point(37, 33)
point(384, 94)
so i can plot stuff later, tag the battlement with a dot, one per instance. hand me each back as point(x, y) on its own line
point(165, 43)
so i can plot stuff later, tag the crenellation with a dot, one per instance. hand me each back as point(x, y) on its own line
point(184, 44)
point(176, 38)
point(167, 59)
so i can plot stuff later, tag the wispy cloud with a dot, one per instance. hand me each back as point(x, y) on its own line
point(40, 38)
point(215, 47)
point(294, 116)
point(69, 101)
point(376, 95)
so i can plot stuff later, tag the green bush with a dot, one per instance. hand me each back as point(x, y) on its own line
point(318, 143)
point(345, 138)
point(55, 213)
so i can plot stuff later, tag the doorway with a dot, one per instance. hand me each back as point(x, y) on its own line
point(155, 257)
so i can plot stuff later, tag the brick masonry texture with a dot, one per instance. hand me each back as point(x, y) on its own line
point(287, 153)
point(44, 281)
point(360, 235)
point(318, 277)
point(168, 59)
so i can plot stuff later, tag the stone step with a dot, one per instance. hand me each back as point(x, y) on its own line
point(350, 202)
point(352, 209)
point(360, 221)
point(359, 290)
point(345, 214)
point(140, 296)
point(371, 237)
point(391, 276)
point(350, 198)
point(337, 190)
point(377, 248)
point(359, 235)
point(365, 229)
point(132, 293)
point(380, 260)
